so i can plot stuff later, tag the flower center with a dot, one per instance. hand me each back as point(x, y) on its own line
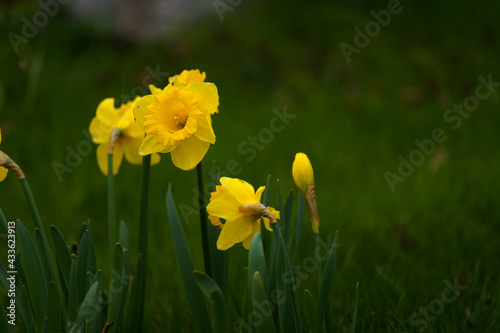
point(181, 120)
point(254, 210)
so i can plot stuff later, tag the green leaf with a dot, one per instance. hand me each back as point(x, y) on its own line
point(287, 274)
point(287, 218)
point(54, 309)
point(126, 284)
point(256, 261)
point(73, 290)
point(37, 237)
point(34, 276)
point(183, 257)
point(91, 261)
point(124, 235)
point(353, 323)
point(311, 306)
point(81, 267)
point(326, 287)
point(89, 307)
point(3, 224)
point(116, 287)
point(29, 325)
point(63, 255)
point(261, 306)
point(217, 302)
point(298, 223)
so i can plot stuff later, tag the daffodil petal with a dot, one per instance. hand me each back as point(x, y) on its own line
point(154, 90)
point(205, 131)
point(0, 135)
point(150, 145)
point(155, 159)
point(235, 231)
point(189, 153)
point(242, 191)
point(3, 173)
point(100, 131)
point(131, 150)
point(106, 112)
point(255, 229)
point(258, 194)
point(140, 109)
point(102, 157)
point(207, 96)
point(225, 206)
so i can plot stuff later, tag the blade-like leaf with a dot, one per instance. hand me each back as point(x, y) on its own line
point(25, 298)
point(34, 274)
point(326, 287)
point(217, 302)
point(193, 293)
point(63, 255)
point(256, 261)
point(37, 239)
point(353, 323)
point(88, 308)
point(54, 309)
point(116, 287)
point(91, 261)
point(81, 267)
point(124, 235)
point(73, 290)
point(260, 305)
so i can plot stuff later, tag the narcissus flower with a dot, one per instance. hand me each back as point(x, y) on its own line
point(303, 176)
point(129, 138)
point(3, 171)
point(239, 205)
point(177, 119)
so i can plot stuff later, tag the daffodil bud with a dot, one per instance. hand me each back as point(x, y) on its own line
point(303, 176)
point(302, 172)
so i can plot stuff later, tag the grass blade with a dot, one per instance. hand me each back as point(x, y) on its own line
point(81, 267)
point(116, 288)
point(54, 309)
point(353, 323)
point(193, 294)
point(63, 256)
point(326, 287)
point(260, 304)
point(37, 239)
point(25, 299)
point(256, 261)
point(219, 313)
point(34, 275)
point(88, 308)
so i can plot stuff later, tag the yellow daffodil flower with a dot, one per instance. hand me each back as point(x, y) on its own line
point(3, 171)
point(239, 205)
point(303, 176)
point(177, 119)
point(130, 135)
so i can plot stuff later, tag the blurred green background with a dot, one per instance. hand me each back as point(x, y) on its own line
point(353, 119)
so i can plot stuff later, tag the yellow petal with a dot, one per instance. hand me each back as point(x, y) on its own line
point(100, 131)
point(207, 96)
point(225, 206)
point(189, 153)
point(102, 157)
point(242, 191)
point(3, 173)
point(106, 112)
point(205, 131)
point(235, 231)
point(154, 90)
point(187, 77)
point(276, 215)
point(131, 150)
point(255, 229)
point(258, 194)
point(155, 159)
point(140, 109)
point(150, 145)
point(215, 220)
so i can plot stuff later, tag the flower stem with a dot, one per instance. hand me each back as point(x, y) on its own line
point(317, 255)
point(143, 240)
point(111, 209)
point(203, 221)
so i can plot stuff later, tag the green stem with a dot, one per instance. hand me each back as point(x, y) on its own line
point(317, 255)
point(203, 221)
point(111, 210)
point(143, 238)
